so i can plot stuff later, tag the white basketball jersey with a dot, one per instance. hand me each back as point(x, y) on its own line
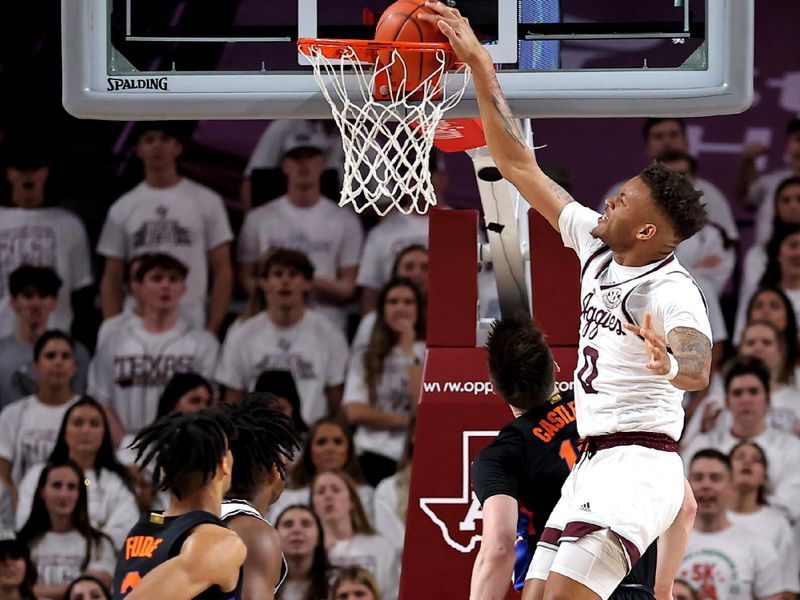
point(614, 390)
point(234, 508)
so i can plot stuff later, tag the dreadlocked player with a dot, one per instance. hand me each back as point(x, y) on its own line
point(265, 442)
point(186, 552)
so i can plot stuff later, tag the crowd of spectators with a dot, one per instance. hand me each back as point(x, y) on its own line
point(329, 316)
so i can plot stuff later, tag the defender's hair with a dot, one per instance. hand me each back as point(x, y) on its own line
point(676, 198)
point(183, 446)
point(265, 438)
point(520, 362)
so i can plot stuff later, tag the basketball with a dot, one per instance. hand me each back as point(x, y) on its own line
point(400, 22)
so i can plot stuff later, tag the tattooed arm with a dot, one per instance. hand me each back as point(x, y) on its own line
point(511, 154)
point(692, 350)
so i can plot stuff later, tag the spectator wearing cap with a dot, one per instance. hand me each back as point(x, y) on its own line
point(268, 153)
point(303, 219)
point(169, 213)
point(34, 297)
point(33, 233)
point(758, 191)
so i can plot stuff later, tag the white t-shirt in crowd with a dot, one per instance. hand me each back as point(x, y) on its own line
point(720, 566)
point(753, 267)
point(614, 390)
point(706, 244)
point(783, 463)
point(58, 557)
point(762, 196)
point(313, 349)
point(393, 396)
point(783, 412)
point(373, 553)
point(43, 237)
point(112, 505)
point(329, 236)
point(187, 220)
point(132, 366)
point(392, 234)
point(387, 521)
point(28, 432)
point(268, 152)
point(302, 496)
point(772, 525)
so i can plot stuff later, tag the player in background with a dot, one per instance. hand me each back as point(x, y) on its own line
point(636, 302)
point(187, 551)
point(265, 443)
point(518, 477)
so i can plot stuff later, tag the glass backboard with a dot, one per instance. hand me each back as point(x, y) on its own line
point(192, 59)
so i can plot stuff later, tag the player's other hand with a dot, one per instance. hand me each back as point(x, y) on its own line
point(656, 345)
point(457, 29)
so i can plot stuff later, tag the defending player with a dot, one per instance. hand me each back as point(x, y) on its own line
point(186, 552)
point(636, 302)
point(521, 472)
point(265, 442)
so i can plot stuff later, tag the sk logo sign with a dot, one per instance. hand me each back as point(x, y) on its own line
point(456, 517)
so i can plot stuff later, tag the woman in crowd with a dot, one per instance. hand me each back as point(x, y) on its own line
point(87, 587)
point(749, 507)
point(17, 571)
point(85, 438)
point(762, 340)
point(412, 263)
point(391, 496)
point(355, 583)
point(62, 541)
point(303, 545)
point(28, 427)
point(185, 393)
point(787, 212)
point(349, 537)
point(769, 303)
point(383, 379)
point(328, 447)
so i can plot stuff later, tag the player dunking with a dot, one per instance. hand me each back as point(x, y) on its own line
point(186, 552)
point(265, 442)
point(644, 339)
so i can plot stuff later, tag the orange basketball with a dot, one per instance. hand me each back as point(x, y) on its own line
point(400, 22)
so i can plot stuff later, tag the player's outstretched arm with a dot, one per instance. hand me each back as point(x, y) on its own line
point(691, 351)
point(494, 565)
point(211, 555)
point(511, 154)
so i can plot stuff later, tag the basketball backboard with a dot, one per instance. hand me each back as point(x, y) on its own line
point(173, 59)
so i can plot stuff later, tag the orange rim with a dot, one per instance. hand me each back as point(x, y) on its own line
point(366, 50)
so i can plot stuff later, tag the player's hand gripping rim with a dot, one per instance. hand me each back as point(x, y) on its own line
point(457, 30)
point(655, 344)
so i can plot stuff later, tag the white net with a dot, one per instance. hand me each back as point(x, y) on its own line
point(388, 141)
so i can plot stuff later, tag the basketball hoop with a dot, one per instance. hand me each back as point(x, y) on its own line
point(389, 125)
